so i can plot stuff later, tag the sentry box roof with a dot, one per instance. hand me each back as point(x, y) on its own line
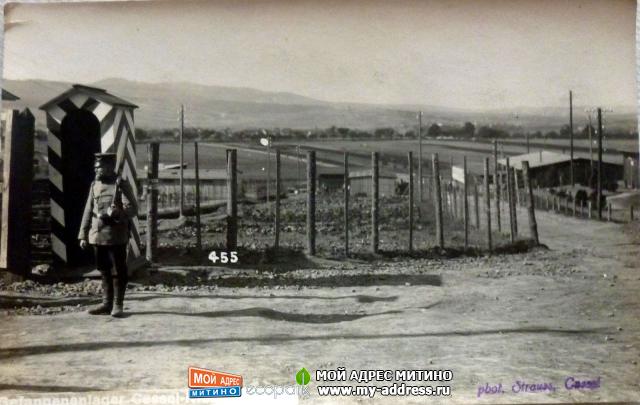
point(8, 96)
point(94, 93)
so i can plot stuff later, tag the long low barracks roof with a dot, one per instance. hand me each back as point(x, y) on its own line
point(546, 158)
point(536, 159)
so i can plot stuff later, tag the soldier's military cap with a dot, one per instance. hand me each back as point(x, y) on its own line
point(105, 159)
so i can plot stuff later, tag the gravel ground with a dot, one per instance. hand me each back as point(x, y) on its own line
point(569, 310)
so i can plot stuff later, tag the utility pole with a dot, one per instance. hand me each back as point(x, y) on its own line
point(420, 174)
point(571, 135)
point(181, 160)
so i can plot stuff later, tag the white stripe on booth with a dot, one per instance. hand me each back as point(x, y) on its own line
point(101, 111)
point(54, 143)
point(58, 247)
point(57, 212)
point(55, 177)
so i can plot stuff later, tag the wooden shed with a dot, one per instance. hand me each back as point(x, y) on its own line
point(331, 180)
point(83, 121)
point(213, 183)
point(360, 183)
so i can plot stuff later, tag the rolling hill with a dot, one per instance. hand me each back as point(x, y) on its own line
point(238, 108)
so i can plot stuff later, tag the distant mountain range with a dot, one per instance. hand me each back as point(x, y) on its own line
point(241, 108)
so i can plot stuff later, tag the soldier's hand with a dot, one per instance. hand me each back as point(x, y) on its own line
point(83, 244)
point(116, 212)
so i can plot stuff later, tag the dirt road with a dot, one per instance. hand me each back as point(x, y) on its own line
point(538, 318)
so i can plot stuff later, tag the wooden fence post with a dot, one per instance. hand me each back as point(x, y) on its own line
point(454, 199)
point(420, 172)
point(448, 203)
point(510, 202)
point(496, 180)
point(609, 212)
point(232, 199)
point(311, 202)
point(487, 199)
point(451, 167)
point(444, 185)
point(590, 209)
point(599, 187)
point(410, 159)
point(346, 204)
point(476, 203)
point(546, 200)
point(375, 200)
point(15, 238)
point(276, 244)
point(516, 188)
point(152, 201)
point(437, 200)
point(197, 197)
point(465, 203)
point(533, 225)
point(450, 199)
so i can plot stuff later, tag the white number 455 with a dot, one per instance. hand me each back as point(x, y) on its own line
point(224, 257)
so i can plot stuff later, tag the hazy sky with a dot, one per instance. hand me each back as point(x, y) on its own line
point(467, 54)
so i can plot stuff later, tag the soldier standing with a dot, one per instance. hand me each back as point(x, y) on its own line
point(108, 212)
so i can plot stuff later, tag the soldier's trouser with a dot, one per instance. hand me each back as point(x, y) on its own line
point(106, 258)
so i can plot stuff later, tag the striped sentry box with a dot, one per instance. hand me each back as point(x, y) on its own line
point(115, 128)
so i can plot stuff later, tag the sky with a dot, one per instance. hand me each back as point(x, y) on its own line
point(466, 54)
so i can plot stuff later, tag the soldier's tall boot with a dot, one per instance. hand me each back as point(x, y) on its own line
point(120, 286)
point(107, 298)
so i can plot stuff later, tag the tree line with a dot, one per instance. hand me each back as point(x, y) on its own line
point(465, 131)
